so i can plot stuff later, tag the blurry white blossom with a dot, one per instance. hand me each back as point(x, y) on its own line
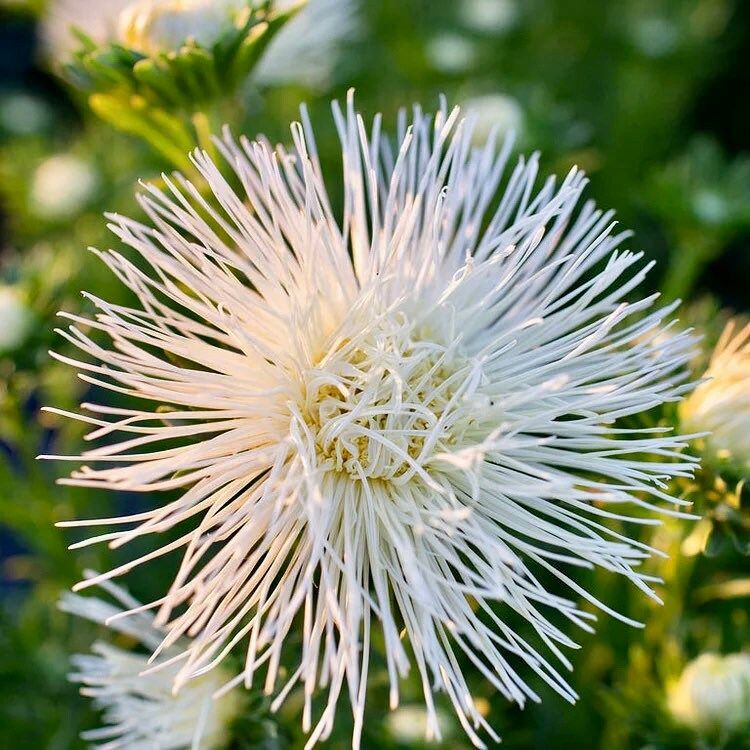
point(655, 36)
point(721, 405)
point(402, 420)
point(410, 724)
point(61, 186)
point(451, 53)
point(139, 708)
point(98, 19)
point(304, 51)
point(490, 16)
point(713, 693)
point(15, 319)
point(497, 113)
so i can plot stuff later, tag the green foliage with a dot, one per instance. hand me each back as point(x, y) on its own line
point(704, 201)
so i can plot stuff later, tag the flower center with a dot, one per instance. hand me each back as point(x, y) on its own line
point(382, 406)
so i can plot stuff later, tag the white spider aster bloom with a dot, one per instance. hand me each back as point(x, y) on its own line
point(721, 404)
point(304, 51)
point(406, 420)
point(138, 705)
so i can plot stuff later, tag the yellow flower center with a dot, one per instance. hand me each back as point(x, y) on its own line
point(382, 406)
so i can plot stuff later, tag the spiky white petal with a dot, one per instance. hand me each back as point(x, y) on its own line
point(139, 707)
point(405, 420)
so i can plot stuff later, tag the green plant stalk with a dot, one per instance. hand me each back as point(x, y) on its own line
point(692, 252)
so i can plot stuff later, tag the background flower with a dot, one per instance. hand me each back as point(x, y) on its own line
point(62, 185)
point(713, 693)
point(721, 405)
point(139, 708)
point(97, 20)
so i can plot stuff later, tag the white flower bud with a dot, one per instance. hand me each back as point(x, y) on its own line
point(721, 405)
point(712, 693)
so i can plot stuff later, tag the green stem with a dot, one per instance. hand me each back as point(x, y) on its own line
point(688, 260)
point(204, 130)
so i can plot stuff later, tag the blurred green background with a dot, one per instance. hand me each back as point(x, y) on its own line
point(650, 97)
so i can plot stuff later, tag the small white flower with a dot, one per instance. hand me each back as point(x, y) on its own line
point(721, 404)
point(450, 53)
point(139, 707)
point(410, 724)
point(62, 185)
point(713, 693)
point(490, 16)
point(495, 112)
point(15, 319)
point(397, 420)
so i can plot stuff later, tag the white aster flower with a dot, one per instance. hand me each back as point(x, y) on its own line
point(712, 693)
point(397, 421)
point(721, 404)
point(136, 698)
point(304, 51)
